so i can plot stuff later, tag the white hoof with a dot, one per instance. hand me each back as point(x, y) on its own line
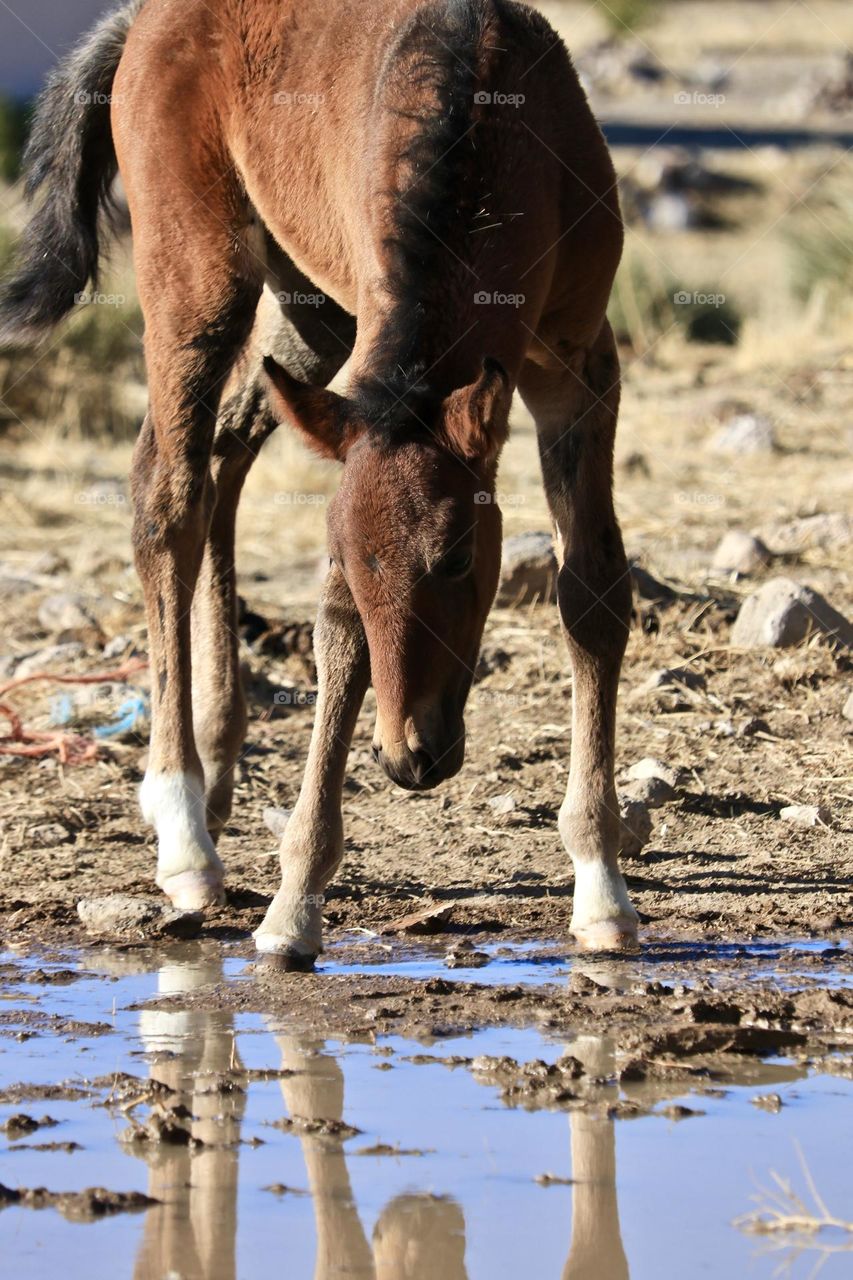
point(188, 868)
point(287, 954)
point(603, 917)
point(194, 890)
point(607, 935)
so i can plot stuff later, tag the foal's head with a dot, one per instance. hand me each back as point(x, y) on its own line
point(416, 532)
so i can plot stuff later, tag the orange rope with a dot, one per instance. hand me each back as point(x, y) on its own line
point(71, 748)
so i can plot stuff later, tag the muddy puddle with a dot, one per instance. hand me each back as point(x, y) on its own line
point(231, 1145)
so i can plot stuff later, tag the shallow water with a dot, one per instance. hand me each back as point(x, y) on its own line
point(650, 1197)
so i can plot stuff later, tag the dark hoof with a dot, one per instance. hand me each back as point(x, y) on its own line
point(285, 961)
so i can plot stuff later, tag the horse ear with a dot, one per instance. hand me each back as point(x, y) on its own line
point(321, 416)
point(476, 417)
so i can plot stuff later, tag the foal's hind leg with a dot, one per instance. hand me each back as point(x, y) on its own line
point(219, 702)
point(574, 397)
point(245, 422)
point(198, 301)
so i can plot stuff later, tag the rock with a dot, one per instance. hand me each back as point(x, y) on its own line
point(48, 834)
point(768, 1102)
point(501, 804)
point(669, 211)
point(751, 727)
point(56, 657)
point(652, 792)
point(120, 914)
point(830, 532)
point(745, 433)
point(492, 658)
point(49, 563)
point(847, 709)
point(741, 553)
point(668, 677)
point(430, 919)
point(647, 587)
point(276, 820)
point(782, 613)
point(649, 767)
point(806, 815)
point(636, 825)
point(65, 612)
point(465, 958)
point(13, 585)
point(120, 647)
point(528, 569)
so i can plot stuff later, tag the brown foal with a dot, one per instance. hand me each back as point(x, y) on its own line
point(431, 166)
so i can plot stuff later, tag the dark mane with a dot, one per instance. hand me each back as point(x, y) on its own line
point(441, 54)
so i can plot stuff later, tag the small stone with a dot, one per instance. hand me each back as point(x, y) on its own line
point(49, 563)
point(649, 767)
point(276, 820)
point(648, 587)
point(652, 792)
point(831, 531)
point(806, 815)
point(56, 657)
point(669, 677)
point(463, 958)
point(120, 914)
point(13, 585)
point(430, 919)
point(745, 433)
point(501, 804)
point(120, 647)
point(528, 569)
point(636, 825)
point(768, 1102)
point(783, 613)
point(65, 612)
point(752, 727)
point(48, 834)
point(740, 553)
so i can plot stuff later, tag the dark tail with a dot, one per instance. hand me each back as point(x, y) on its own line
point(71, 159)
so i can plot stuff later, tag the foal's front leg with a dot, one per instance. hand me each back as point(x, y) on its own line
point(313, 842)
point(574, 402)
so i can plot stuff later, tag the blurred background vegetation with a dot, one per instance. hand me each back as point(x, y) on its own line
point(719, 246)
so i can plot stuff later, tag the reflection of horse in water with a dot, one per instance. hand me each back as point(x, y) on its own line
point(417, 1236)
point(193, 1234)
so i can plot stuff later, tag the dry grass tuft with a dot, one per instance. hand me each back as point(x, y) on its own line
point(794, 1224)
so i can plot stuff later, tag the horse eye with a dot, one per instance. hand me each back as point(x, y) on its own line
point(456, 564)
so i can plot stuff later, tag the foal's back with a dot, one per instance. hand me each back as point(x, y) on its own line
point(309, 112)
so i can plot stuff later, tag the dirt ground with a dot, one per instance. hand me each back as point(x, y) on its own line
point(762, 729)
point(757, 730)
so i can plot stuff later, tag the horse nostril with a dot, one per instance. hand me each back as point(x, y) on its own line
point(422, 762)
